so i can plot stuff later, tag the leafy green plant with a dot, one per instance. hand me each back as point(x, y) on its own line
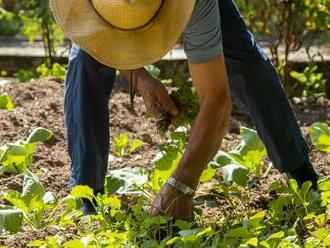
point(33, 201)
point(56, 70)
point(25, 75)
point(9, 22)
point(6, 102)
point(17, 157)
point(123, 145)
point(314, 85)
point(320, 135)
point(168, 159)
point(38, 20)
point(246, 157)
point(126, 181)
point(289, 24)
point(11, 219)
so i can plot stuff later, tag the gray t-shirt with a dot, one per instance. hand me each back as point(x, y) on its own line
point(202, 38)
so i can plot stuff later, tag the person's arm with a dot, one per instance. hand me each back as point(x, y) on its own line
point(211, 83)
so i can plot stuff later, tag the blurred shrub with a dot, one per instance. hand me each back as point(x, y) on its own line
point(9, 23)
point(291, 23)
point(312, 82)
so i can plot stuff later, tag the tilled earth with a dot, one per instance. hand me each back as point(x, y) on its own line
point(39, 104)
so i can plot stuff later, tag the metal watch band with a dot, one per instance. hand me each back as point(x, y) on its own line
point(185, 189)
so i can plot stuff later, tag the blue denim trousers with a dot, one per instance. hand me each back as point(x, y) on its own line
point(252, 78)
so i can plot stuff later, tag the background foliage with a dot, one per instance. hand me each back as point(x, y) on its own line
point(284, 25)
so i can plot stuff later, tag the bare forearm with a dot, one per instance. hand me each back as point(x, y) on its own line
point(211, 82)
point(210, 127)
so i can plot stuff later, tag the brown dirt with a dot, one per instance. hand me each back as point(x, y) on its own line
point(40, 104)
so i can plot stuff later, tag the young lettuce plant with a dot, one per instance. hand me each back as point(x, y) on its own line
point(246, 157)
point(123, 145)
point(11, 219)
point(5, 102)
point(34, 202)
point(17, 157)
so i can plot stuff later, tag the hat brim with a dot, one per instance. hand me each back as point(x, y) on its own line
point(117, 48)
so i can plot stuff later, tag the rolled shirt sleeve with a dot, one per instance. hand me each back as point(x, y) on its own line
point(202, 38)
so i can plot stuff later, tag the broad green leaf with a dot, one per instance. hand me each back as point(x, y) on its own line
point(324, 184)
point(235, 173)
point(15, 158)
point(321, 233)
point(256, 219)
point(82, 191)
point(39, 135)
point(155, 221)
point(33, 191)
point(239, 232)
point(320, 135)
point(253, 242)
point(16, 149)
point(10, 219)
point(16, 199)
point(277, 235)
point(6, 102)
point(131, 179)
point(112, 184)
point(250, 152)
point(183, 225)
point(222, 159)
point(207, 174)
point(264, 244)
point(113, 202)
point(74, 244)
point(164, 169)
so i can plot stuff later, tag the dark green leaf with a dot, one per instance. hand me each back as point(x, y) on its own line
point(39, 135)
point(10, 219)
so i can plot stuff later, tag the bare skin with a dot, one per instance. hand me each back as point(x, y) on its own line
point(153, 92)
point(211, 83)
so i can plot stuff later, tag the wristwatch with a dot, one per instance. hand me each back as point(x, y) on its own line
point(185, 189)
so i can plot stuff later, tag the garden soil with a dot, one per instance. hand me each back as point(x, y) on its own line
point(40, 104)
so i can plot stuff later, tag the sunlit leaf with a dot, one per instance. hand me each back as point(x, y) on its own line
point(33, 191)
point(10, 219)
point(74, 244)
point(135, 145)
point(320, 135)
point(250, 152)
point(128, 180)
point(82, 191)
point(6, 102)
point(207, 174)
point(120, 143)
point(39, 135)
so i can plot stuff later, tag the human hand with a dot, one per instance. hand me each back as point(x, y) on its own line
point(154, 94)
point(172, 203)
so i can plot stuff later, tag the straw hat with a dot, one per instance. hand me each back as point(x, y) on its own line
point(123, 34)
